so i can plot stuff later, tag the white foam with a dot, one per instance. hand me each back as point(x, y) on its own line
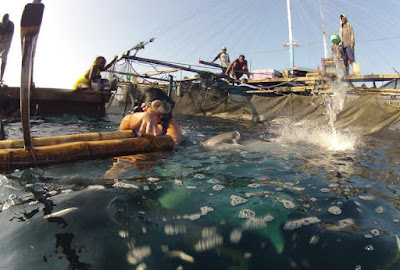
point(295, 224)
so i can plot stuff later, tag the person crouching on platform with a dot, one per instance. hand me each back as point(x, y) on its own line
point(238, 68)
point(92, 77)
point(153, 116)
point(337, 54)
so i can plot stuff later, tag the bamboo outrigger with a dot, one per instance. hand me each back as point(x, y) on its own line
point(79, 147)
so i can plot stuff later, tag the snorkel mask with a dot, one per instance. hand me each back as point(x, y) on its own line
point(161, 107)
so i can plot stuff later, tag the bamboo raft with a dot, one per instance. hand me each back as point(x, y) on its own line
point(67, 148)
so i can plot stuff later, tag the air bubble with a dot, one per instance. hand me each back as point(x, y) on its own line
point(206, 209)
point(286, 203)
point(174, 229)
point(236, 200)
point(213, 181)
point(256, 223)
point(235, 236)
point(153, 179)
point(3, 180)
point(254, 185)
point(334, 210)
point(369, 248)
point(366, 198)
point(295, 224)
point(247, 213)
point(314, 240)
point(178, 183)
point(136, 255)
point(379, 210)
point(375, 232)
point(218, 187)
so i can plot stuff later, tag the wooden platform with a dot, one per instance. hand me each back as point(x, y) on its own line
point(53, 101)
point(317, 83)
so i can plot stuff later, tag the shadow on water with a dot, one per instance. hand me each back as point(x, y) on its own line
point(283, 204)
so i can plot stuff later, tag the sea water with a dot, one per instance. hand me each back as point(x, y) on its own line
point(303, 199)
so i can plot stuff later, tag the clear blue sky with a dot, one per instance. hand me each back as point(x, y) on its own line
point(74, 32)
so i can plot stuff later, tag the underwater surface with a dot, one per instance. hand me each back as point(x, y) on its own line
point(295, 200)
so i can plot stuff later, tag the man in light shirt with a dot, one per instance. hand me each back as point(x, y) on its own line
point(223, 58)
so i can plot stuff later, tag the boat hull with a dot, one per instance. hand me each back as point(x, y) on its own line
point(53, 101)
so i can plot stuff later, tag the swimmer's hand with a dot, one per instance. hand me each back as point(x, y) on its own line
point(146, 126)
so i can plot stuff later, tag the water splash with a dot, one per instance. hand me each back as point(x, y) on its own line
point(324, 135)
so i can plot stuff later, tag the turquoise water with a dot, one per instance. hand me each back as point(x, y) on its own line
point(292, 203)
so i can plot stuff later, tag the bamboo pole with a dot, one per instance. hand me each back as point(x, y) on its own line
point(67, 152)
point(47, 141)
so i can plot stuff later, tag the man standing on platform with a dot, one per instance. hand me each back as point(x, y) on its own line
point(223, 58)
point(346, 35)
point(6, 34)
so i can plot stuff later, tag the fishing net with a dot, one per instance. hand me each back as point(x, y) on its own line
point(362, 114)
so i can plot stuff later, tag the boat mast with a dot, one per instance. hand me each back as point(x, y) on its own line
point(291, 54)
point(323, 31)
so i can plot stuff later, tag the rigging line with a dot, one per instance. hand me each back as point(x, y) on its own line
point(359, 31)
point(250, 18)
point(259, 18)
point(307, 21)
point(369, 9)
point(381, 56)
point(186, 17)
point(271, 51)
point(373, 40)
point(231, 13)
point(196, 35)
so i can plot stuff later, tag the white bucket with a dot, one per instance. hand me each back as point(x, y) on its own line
point(356, 68)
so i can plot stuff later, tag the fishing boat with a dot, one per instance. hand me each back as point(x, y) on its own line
point(54, 101)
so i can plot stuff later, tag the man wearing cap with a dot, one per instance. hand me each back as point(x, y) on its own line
point(6, 34)
point(346, 35)
point(224, 59)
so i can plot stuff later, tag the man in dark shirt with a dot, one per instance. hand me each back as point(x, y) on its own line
point(6, 34)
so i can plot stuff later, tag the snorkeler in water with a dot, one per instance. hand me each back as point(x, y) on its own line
point(153, 116)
